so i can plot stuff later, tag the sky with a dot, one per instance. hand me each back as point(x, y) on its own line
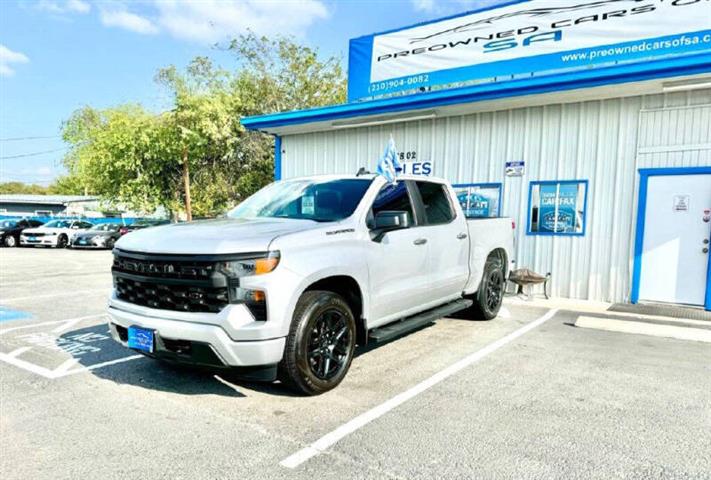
point(59, 55)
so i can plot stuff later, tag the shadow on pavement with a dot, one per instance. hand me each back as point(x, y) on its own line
point(93, 345)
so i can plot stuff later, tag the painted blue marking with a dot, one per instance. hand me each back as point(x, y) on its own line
point(9, 314)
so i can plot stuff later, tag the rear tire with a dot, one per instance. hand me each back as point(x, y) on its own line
point(320, 345)
point(62, 241)
point(10, 241)
point(489, 297)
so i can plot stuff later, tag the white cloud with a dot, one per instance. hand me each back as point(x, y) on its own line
point(7, 58)
point(216, 20)
point(128, 21)
point(60, 8)
point(423, 5)
point(78, 6)
point(452, 7)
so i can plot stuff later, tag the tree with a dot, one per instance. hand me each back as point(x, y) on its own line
point(196, 158)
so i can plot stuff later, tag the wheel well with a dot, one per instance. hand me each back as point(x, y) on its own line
point(500, 254)
point(348, 288)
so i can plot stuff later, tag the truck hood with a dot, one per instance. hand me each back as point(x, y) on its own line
point(211, 237)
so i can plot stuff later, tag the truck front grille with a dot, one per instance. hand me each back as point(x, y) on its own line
point(162, 296)
point(170, 282)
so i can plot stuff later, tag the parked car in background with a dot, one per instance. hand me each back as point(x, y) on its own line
point(103, 235)
point(10, 230)
point(55, 233)
point(140, 224)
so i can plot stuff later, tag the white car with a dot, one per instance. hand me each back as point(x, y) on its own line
point(304, 270)
point(55, 233)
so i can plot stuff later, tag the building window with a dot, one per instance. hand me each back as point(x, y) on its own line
point(43, 213)
point(479, 200)
point(557, 207)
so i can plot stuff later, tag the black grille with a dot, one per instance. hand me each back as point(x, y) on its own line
point(185, 284)
point(184, 298)
point(163, 268)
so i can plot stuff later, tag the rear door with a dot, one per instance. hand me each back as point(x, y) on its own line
point(398, 264)
point(446, 233)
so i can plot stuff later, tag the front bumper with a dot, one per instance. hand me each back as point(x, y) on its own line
point(48, 240)
point(200, 335)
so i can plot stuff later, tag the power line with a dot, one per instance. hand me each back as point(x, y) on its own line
point(33, 154)
point(17, 139)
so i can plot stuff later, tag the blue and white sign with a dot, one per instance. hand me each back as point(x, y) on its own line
point(526, 37)
point(558, 208)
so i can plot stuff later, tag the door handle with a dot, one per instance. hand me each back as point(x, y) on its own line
point(461, 236)
point(420, 241)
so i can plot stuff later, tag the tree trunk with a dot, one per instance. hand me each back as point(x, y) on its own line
point(186, 185)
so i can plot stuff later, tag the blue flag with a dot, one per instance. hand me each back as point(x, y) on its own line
point(388, 165)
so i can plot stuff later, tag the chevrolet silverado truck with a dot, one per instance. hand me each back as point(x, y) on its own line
point(292, 279)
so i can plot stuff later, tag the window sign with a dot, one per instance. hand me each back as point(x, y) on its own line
point(557, 207)
point(479, 200)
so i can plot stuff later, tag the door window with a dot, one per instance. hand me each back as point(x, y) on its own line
point(393, 197)
point(438, 209)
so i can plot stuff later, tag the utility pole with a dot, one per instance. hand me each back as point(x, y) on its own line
point(186, 185)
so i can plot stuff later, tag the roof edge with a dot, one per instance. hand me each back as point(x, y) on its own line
point(655, 69)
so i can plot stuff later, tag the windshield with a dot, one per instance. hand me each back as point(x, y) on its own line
point(8, 223)
point(318, 200)
point(58, 224)
point(105, 227)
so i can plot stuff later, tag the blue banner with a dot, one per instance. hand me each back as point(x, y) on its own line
point(525, 38)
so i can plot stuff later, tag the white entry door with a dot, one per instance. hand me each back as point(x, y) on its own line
point(677, 231)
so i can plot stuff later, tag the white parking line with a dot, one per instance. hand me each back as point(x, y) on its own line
point(641, 328)
point(66, 367)
point(330, 439)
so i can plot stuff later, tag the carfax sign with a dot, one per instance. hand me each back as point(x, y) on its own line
point(526, 37)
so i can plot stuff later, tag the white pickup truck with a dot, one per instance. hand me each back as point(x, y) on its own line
point(299, 273)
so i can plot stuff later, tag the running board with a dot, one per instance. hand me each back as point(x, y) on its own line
point(392, 330)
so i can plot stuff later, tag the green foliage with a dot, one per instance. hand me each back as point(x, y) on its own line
point(19, 187)
point(65, 185)
point(132, 156)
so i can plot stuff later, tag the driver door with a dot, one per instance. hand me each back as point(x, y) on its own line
point(398, 263)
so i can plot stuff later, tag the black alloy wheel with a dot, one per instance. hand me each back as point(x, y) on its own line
point(62, 241)
point(320, 345)
point(494, 289)
point(489, 297)
point(328, 344)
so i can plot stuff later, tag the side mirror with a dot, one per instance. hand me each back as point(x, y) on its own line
point(389, 220)
point(392, 219)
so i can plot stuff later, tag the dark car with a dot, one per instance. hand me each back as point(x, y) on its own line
point(145, 223)
point(10, 230)
point(103, 235)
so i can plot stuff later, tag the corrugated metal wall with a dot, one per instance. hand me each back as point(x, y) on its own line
point(594, 140)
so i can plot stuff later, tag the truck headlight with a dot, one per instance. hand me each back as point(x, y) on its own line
point(250, 266)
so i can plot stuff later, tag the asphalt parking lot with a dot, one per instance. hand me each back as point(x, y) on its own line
point(527, 395)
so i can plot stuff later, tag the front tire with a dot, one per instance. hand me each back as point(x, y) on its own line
point(490, 296)
point(10, 241)
point(320, 345)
